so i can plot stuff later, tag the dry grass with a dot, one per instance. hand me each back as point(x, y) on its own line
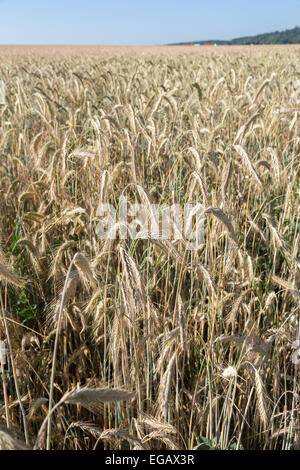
point(158, 347)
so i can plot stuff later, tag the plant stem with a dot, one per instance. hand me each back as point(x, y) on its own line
point(14, 371)
point(48, 418)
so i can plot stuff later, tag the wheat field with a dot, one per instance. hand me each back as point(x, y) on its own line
point(143, 344)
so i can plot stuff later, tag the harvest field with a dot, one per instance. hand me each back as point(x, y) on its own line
point(142, 343)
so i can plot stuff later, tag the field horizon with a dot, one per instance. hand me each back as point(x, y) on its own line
point(17, 50)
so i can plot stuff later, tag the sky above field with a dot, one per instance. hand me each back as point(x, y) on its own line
point(140, 22)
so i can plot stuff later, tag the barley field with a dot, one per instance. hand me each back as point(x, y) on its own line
point(142, 343)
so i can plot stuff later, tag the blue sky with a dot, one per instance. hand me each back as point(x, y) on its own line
point(140, 21)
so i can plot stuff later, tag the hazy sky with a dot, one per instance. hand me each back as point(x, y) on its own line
point(140, 21)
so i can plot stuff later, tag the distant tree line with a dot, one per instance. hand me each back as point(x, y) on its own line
point(289, 36)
